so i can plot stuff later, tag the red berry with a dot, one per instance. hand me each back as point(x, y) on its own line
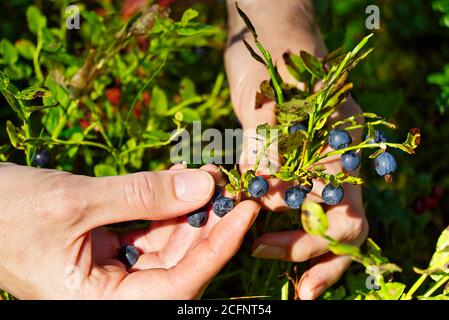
point(113, 95)
point(165, 3)
point(430, 202)
point(84, 123)
point(419, 205)
point(146, 98)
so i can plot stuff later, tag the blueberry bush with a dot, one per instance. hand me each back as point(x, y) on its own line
point(111, 97)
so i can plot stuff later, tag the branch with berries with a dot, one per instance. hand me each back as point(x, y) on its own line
point(303, 129)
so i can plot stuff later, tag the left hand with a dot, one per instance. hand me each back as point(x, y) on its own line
point(347, 222)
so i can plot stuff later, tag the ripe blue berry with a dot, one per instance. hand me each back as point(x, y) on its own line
point(198, 218)
point(378, 137)
point(385, 164)
point(332, 195)
point(339, 139)
point(41, 158)
point(222, 206)
point(296, 127)
point(218, 193)
point(294, 197)
point(350, 160)
point(129, 255)
point(307, 188)
point(258, 187)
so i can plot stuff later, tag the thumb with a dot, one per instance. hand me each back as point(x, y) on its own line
point(146, 196)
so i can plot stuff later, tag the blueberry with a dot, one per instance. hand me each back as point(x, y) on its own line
point(222, 206)
point(218, 193)
point(350, 160)
point(339, 139)
point(129, 255)
point(198, 218)
point(40, 158)
point(307, 188)
point(385, 164)
point(378, 137)
point(258, 187)
point(332, 195)
point(296, 127)
point(294, 197)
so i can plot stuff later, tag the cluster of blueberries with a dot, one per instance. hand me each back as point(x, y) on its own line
point(221, 205)
point(338, 139)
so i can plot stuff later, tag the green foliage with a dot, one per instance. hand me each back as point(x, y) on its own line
point(111, 100)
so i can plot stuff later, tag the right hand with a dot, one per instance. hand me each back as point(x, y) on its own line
point(52, 245)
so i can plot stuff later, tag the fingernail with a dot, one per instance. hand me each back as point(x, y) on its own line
point(193, 185)
point(267, 252)
point(311, 294)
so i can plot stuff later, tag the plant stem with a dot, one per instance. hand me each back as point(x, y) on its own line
point(272, 72)
point(435, 287)
point(139, 94)
point(37, 67)
point(416, 285)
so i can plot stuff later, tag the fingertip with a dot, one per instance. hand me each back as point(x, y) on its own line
point(179, 166)
point(324, 273)
point(214, 171)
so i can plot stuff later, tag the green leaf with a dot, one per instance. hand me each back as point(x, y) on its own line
point(291, 142)
point(34, 92)
point(51, 41)
point(313, 65)
point(25, 48)
point(14, 135)
point(352, 180)
point(339, 97)
point(103, 170)
point(437, 297)
point(190, 115)
point(3, 150)
point(440, 258)
point(187, 89)
point(9, 52)
point(375, 252)
point(159, 100)
point(36, 20)
point(296, 67)
point(14, 104)
point(188, 15)
point(313, 218)
point(388, 291)
point(343, 249)
point(234, 178)
point(4, 81)
point(155, 136)
point(413, 138)
point(196, 29)
point(246, 20)
point(297, 107)
point(254, 54)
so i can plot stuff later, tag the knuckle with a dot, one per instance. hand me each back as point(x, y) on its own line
point(357, 228)
point(301, 250)
point(142, 191)
point(66, 197)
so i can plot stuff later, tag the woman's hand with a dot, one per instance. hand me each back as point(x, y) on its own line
point(282, 26)
point(52, 245)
